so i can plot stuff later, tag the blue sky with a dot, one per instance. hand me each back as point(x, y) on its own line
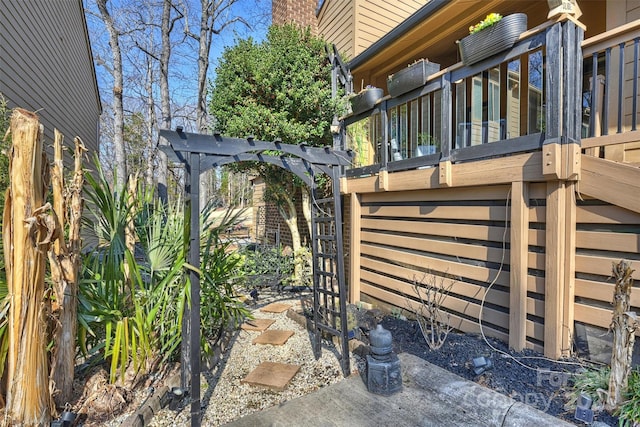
point(183, 80)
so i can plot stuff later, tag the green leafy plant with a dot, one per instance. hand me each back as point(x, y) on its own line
point(593, 382)
point(629, 413)
point(115, 311)
point(358, 141)
point(131, 302)
point(266, 261)
point(491, 19)
point(220, 267)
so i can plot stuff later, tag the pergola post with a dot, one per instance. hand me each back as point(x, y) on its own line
point(194, 260)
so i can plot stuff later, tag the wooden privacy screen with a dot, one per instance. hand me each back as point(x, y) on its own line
point(457, 235)
point(605, 234)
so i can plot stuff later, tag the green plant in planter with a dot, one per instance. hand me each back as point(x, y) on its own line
point(491, 19)
point(427, 140)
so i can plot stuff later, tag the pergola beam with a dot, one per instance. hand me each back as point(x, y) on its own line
point(179, 141)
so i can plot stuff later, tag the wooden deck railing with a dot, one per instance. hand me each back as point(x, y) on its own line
point(506, 104)
point(610, 101)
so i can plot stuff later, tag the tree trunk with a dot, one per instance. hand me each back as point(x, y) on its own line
point(306, 206)
point(288, 212)
point(26, 234)
point(118, 106)
point(65, 264)
point(623, 326)
point(207, 10)
point(165, 99)
point(290, 215)
point(151, 172)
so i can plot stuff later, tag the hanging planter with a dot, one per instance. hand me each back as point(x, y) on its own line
point(491, 39)
point(412, 77)
point(365, 99)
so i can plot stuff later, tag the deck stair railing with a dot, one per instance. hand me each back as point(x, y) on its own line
point(610, 100)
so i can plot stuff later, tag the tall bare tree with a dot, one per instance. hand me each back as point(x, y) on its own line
point(116, 72)
point(214, 18)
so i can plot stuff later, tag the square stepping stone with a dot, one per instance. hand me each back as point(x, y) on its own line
point(273, 375)
point(259, 325)
point(275, 307)
point(273, 337)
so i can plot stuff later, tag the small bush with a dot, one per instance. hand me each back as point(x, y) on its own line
point(260, 264)
point(434, 321)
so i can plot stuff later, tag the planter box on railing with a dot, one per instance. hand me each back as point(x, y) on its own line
point(412, 77)
point(492, 40)
point(365, 100)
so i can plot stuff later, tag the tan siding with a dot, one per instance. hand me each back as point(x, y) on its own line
point(375, 18)
point(335, 24)
point(46, 66)
point(633, 10)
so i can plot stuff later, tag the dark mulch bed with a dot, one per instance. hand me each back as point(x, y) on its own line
point(548, 392)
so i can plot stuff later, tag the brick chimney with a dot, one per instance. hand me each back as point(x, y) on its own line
point(300, 12)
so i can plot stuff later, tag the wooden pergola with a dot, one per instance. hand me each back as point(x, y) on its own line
point(199, 153)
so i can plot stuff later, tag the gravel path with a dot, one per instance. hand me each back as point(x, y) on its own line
point(225, 399)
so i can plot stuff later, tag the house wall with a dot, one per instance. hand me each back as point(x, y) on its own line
point(335, 24)
point(46, 66)
point(301, 12)
point(375, 18)
point(355, 25)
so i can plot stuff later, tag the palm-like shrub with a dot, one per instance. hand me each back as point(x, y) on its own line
point(131, 302)
point(220, 308)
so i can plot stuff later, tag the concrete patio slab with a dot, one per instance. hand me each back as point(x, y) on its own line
point(431, 396)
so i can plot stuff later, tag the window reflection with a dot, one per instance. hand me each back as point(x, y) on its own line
point(414, 127)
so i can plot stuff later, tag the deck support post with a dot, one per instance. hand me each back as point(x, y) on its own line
point(519, 266)
point(354, 245)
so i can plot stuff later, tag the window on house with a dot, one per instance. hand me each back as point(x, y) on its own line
point(513, 99)
point(536, 92)
point(475, 133)
point(494, 125)
point(414, 127)
point(461, 138)
point(403, 128)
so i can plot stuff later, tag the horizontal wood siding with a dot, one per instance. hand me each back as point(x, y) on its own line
point(456, 237)
point(605, 234)
point(335, 23)
point(375, 18)
point(46, 66)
